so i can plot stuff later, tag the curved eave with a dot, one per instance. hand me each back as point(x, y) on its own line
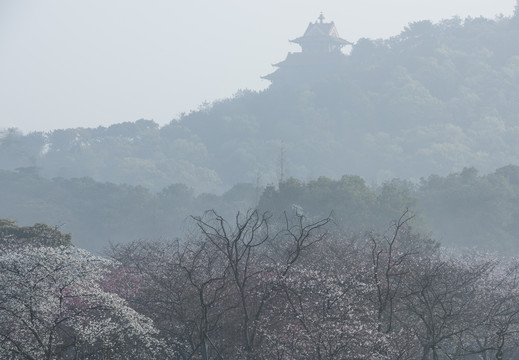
point(279, 64)
point(269, 77)
point(303, 40)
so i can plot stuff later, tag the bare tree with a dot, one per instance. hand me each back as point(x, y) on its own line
point(208, 276)
point(243, 246)
point(389, 269)
point(441, 302)
point(496, 332)
point(392, 257)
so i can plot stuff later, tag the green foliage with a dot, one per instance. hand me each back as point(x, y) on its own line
point(353, 205)
point(469, 210)
point(101, 213)
point(463, 209)
point(38, 234)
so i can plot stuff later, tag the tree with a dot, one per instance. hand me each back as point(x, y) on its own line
point(242, 245)
point(326, 315)
point(441, 302)
point(392, 256)
point(53, 306)
point(495, 333)
point(183, 287)
point(38, 234)
point(210, 293)
point(153, 283)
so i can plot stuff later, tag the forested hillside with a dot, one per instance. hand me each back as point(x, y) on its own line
point(432, 100)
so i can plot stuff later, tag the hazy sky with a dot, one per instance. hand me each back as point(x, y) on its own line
point(72, 63)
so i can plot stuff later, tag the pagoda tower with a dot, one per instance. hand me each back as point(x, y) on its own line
point(320, 54)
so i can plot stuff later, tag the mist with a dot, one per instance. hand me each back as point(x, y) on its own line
point(250, 181)
point(96, 63)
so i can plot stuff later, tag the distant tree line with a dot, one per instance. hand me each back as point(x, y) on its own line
point(463, 209)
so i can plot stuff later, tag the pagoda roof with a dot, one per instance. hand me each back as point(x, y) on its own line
point(301, 59)
point(319, 31)
point(299, 65)
point(321, 54)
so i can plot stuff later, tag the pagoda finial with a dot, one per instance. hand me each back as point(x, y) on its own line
point(321, 17)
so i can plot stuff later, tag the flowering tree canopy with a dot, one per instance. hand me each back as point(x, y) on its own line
point(256, 290)
point(52, 306)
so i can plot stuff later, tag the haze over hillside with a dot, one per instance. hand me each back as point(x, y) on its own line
point(83, 64)
point(439, 98)
point(363, 206)
point(434, 99)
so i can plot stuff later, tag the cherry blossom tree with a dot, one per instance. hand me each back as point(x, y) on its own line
point(152, 281)
point(256, 289)
point(52, 306)
point(496, 332)
point(325, 315)
point(441, 302)
point(209, 293)
point(184, 288)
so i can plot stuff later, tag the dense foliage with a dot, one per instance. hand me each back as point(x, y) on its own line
point(433, 99)
point(38, 234)
point(471, 210)
point(255, 289)
point(463, 209)
point(101, 213)
point(349, 201)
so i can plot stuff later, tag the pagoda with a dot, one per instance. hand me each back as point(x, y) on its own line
point(320, 54)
